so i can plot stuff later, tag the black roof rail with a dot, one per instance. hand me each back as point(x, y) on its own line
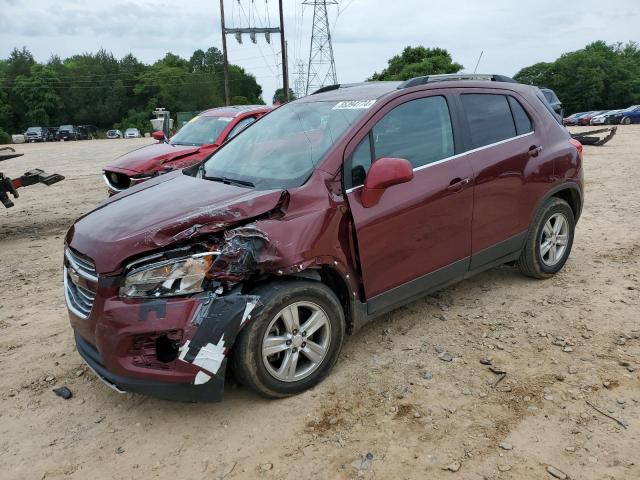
point(414, 82)
point(328, 88)
point(337, 86)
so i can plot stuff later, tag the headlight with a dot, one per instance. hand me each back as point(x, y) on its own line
point(169, 278)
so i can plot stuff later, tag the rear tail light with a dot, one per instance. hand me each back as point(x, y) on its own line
point(578, 146)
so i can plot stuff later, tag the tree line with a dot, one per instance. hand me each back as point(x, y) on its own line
point(597, 77)
point(99, 89)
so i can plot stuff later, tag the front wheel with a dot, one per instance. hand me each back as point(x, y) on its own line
point(294, 340)
point(626, 121)
point(549, 241)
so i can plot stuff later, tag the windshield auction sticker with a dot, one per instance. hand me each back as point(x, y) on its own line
point(354, 105)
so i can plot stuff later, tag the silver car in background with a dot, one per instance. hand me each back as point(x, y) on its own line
point(132, 133)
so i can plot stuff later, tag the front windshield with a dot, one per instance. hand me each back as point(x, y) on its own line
point(66, 127)
point(630, 109)
point(34, 129)
point(282, 149)
point(201, 131)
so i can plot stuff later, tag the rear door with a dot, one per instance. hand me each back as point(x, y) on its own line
point(503, 147)
point(418, 237)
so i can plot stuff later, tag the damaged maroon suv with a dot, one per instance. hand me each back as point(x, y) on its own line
point(321, 216)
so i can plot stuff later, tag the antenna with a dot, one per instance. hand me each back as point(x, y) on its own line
point(479, 58)
point(322, 67)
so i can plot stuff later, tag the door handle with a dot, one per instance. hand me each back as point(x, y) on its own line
point(458, 184)
point(534, 150)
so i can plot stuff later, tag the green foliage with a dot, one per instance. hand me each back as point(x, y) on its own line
point(135, 119)
point(597, 77)
point(98, 89)
point(417, 62)
point(4, 137)
point(278, 97)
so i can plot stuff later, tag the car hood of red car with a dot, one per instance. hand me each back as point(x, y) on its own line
point(159, 213)
point(151, 157)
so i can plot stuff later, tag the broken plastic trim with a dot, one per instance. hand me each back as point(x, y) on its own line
point(218, 319)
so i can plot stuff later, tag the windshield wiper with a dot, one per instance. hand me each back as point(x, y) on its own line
point(230, 181)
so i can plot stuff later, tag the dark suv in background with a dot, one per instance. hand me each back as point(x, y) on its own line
point(67, 132)
point(323, 215)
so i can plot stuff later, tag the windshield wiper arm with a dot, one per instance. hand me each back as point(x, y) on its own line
point(231, 181)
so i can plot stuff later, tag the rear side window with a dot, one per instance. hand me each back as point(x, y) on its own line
point(419, 131)
point(489, 118)
point(520, 116)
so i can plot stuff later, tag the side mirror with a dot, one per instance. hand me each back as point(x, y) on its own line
point(159, 135)
point(384, 173)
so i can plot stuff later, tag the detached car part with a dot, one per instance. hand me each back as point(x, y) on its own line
point(11, 186)
point(588, 138)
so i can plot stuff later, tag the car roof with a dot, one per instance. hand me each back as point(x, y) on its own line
point(233, 110)
point(377, 90)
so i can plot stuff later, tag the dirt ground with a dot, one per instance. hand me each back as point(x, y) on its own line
point(391, 408)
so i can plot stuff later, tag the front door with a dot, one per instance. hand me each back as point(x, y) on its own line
point(418, 237)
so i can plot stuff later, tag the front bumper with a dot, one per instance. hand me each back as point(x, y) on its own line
point(211, 391)
point(127, 343)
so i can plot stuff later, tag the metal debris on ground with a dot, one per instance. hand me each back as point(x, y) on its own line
point(63, 392)
point(588, 138)
point(622, 423)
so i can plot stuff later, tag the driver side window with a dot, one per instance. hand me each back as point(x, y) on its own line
point(241, 125)
point(419, 131)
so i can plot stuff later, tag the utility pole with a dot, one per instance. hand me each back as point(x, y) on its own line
point(285, 69)
point(227, 94)
point(252, 31)
point(322, 67)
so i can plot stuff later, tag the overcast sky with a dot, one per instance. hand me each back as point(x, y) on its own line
point(512, 33)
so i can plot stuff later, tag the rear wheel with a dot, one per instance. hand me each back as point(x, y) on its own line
point(550, 240)
point(293, 342)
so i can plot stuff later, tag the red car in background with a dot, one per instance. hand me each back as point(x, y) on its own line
point(198, 139)
point(585, 120)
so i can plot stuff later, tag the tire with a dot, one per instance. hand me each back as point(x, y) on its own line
point(537, 259)
point(626, 121)
point(259, 373)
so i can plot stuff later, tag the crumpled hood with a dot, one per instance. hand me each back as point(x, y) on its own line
point(151, 157)
point(175, 209)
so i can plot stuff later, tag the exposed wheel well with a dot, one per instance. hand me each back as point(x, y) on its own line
point(334, 280)
point(572, 197)
point(331, 278)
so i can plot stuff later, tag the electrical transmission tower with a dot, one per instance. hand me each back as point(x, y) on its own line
point(300, 82)
point(322, 66)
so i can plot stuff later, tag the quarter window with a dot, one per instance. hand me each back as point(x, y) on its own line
point(520, 116)
point(419, 131)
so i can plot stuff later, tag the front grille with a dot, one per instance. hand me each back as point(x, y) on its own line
point(79, 299)
point(82, 267)
point(117, 181)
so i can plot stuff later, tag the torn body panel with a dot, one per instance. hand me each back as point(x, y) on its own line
point(162, 347)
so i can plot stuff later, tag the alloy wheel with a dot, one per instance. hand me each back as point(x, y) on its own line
point(554, 239)
point(296, 341)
